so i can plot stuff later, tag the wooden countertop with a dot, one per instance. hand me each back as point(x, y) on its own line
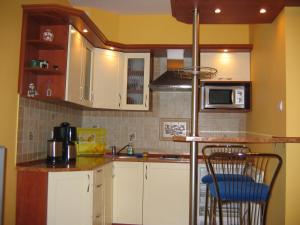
point(84, 163)
point(236, 138)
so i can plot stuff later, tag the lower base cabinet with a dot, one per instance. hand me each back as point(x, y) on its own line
point(65, 198)
point(151, 193)
point(166, 194)
point(127, 192)
point(70, 196)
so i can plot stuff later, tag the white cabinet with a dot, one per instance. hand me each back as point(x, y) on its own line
point(108, 193)
point(70, 198)
point(121, 80)
point(231, 66)
point(79, 69)
point(136, 75)
point(166, 194)
point(106, 79)
point(127, 192)
point(98, 197)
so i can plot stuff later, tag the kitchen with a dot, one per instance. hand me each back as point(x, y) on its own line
point(278, 83)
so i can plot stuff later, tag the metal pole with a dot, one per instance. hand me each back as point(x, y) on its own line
point(193, 210)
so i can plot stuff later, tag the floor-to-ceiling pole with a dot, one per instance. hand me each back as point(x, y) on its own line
point(193, 210)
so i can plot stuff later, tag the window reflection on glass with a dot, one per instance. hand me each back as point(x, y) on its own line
point(135, 81)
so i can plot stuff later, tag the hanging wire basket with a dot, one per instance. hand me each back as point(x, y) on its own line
point(201, 72)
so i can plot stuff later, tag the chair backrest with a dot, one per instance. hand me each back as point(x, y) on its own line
point(210, 149)
point(249, 178)
point(263, 168)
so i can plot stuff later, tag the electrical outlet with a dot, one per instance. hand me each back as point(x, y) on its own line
point(132, 136)
point(30, 136)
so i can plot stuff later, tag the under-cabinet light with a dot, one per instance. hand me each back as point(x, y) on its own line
point(85, 31)
point(262, 10)
point(111, 48)
point(225, 50)
point(217, 10)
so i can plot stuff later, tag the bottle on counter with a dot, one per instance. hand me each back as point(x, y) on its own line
point(130, 149)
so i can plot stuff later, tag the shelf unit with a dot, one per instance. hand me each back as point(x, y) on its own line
point(34, 48)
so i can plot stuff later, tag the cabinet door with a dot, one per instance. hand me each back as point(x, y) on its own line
point(98, 198)
point(127, 192)
point(70, 198)
point(135, 94)
point(74, 66)
point(166, 194)
point(106, 74)
point(87, 74)
point(108, 190)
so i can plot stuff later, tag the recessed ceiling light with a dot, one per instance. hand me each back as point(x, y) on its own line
point(225, 50)
point(217, 10)
point(111, 48)
point(262, 10)
point(85, 31)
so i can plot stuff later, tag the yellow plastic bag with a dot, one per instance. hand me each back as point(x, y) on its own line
point(91, 140)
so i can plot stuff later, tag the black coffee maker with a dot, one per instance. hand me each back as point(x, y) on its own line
point(68, 136)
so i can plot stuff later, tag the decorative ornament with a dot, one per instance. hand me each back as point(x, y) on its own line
point(48, 35)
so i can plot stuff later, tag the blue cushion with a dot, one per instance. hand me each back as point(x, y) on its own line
point(240, 191)
point(208, 179)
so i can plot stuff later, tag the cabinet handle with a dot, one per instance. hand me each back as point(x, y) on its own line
point(146, 97)
point(120, 100)
point(98, 171)
point(88, 188)
point(146, 173)
point(99, 185)
point(97, 216)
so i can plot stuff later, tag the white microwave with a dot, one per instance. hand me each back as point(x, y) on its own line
point(225, 96)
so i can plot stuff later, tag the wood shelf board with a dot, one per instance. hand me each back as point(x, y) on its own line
point(42, 71)
point(129, 91)
point(46, 45)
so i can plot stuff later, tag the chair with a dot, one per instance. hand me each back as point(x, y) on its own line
point(208, 179)
point(242, 201)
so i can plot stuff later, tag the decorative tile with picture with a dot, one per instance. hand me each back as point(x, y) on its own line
point(173, 127)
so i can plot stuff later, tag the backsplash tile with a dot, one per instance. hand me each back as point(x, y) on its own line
point(146, 124)
point(36, 121)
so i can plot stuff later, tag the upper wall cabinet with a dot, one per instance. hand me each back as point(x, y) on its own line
point(121, 80)
point(231, 66)
point(106, 79)
point(79, 69)
point(135, 90)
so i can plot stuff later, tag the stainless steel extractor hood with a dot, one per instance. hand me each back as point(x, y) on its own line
point(171, 81)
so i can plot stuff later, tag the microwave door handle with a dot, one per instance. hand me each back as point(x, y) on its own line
point(232, 96)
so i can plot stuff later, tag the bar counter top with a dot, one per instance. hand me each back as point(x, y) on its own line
point(235, 138)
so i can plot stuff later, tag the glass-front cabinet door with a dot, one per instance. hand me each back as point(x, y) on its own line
point(136, 81)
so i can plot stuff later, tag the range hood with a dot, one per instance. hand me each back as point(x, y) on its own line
point(171, 80)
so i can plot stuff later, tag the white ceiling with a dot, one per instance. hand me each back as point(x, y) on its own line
point(128, 6)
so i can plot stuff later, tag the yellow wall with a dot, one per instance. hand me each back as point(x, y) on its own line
point(292, 114)
point(107, 22)
point(268, 85)
point(275, 76)
point(10, 21)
